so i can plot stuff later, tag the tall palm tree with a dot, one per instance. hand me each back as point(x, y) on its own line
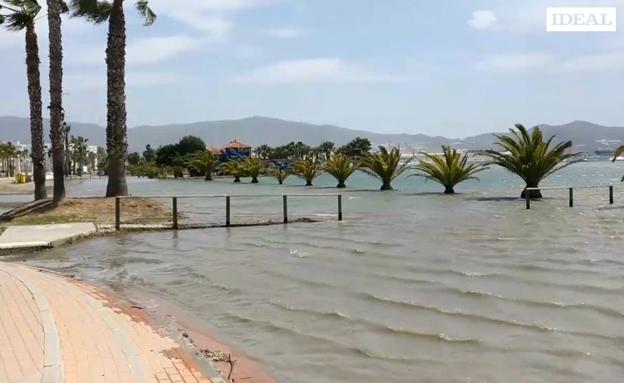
point(618, 152)
point(341, 168)
point(308, 168)
point(55, 8)
point(385, 166)
point(253, 168)
point(203, 162)
point(235, 169)
point(531, 157)
point(18, 15)
point(448, 169)
point(99, 11)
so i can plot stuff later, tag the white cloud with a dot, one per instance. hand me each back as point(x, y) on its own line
point(167, 6)
point(607, 62)
point(285, 33)
point(546, 63)
point(483, 19)
point(156, 49)
point(319, 70)
point(207, 15)
point(515, 62)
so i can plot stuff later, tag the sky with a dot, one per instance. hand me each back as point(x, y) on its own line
point(440, 67)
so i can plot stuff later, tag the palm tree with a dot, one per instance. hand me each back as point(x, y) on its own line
point(253, 167)
point(78, 146)
point(280, 175)
point(385, 166)
point(618, 152)
point(18, 15)
point(531, 157)
point(307, 168)
point(340, 167)
point(55, 8)
point(234, 168)
point(99, 11)
point(448, 169)
point(203, 162)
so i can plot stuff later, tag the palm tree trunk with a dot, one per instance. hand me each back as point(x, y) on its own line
point(208, 176)
point(36, 119)
point(449, 190)
point(341, 185)
point(254, 180)
point(56, 98)
point(386, 186)
point(116, 130)
point(533, 194)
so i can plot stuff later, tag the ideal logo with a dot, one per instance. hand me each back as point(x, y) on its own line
point(581, 19)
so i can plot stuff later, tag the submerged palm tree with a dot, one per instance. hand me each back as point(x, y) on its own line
point(203, 162)
point(340, 167)
point(55, 8)
point(530, 156)
point(280, 175)
point(253, 167)
point(308, 168)
point(100, 11)
point(235, 169)
point(618, 152)
point(448, 169)
point(385, 166)
point(18, 15)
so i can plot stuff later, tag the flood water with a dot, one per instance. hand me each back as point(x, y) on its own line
point(411, 287)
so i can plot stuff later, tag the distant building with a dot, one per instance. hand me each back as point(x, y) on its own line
point(232, 151)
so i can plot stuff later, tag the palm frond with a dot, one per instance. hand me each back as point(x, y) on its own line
point(618, 152)
point(143, 7)
point(529, 155)
point(385, 166)
point(95, 11)
point(448, 169)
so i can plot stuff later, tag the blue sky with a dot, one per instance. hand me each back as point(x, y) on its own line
point(440, 67)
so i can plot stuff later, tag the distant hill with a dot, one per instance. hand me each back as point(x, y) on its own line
point(586, 136)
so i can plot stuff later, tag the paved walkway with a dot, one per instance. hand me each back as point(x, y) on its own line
point(53, 330)
point(42, 236)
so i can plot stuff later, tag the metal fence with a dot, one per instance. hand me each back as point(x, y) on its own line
point(608, 195)
point(225, 209)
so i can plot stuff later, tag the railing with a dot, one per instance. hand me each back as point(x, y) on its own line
point(228, 205)
point(570, 192)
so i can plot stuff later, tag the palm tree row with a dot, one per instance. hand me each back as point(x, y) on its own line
point(21, 15)
point(526, 154)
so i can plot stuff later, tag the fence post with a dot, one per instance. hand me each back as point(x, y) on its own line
point(339, 207)
point(117, 213)
point(227, 210)
point(527, 197)
point(174, 201)
point(571, 192)
point(285, 205)
point(611, 194)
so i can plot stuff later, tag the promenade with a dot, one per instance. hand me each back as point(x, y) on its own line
point(54, 330)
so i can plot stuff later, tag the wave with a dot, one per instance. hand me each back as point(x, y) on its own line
point(498, 321)
point(337, 315)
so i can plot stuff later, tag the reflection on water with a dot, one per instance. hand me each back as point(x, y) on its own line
point(410, 287)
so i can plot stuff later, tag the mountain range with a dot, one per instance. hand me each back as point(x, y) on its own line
point(586, 136)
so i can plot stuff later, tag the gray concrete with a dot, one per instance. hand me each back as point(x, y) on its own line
point(43, 236)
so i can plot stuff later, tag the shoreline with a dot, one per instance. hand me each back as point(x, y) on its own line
point(200, 347)
point(202, 340)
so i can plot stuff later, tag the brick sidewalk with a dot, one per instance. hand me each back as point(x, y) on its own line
point(52, 330)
